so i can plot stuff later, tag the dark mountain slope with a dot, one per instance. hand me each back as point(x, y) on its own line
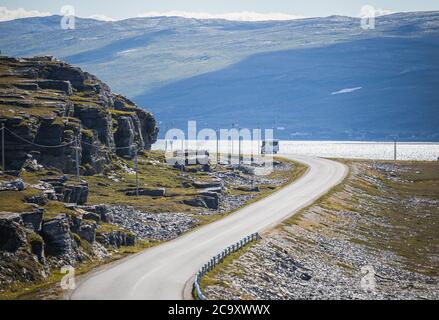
point(392, 89)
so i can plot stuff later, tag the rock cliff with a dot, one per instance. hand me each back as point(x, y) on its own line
point(55, 117)
point(53, 105)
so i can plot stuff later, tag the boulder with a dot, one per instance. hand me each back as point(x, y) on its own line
point(87, 231)
point(12, 236)
point(124, 137)
point(116, 238)
point(92, 216)
point(246, 169)
point(101, 210)
point(214, 190)
point(40, 200)
point(209, 200)
point(56, 235)
point(206, 185)
point(76, 193)
point(248, 188)
point(33, 220)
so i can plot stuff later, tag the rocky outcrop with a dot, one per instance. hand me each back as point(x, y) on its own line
point(68, 192)
point(16, 185)
point(103, 212)
point(146, 127)
point(56, 235)
point(33, 220)
point(50, 103)
point(124, 137)
point(209, 200)
point(12, 236)
point(116, 238)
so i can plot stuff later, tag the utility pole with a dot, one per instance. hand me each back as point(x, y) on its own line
point(3, 148)
point(239, 149)
point(77, 158)
point(394, 149)
point(137, 170)
point(217, 147)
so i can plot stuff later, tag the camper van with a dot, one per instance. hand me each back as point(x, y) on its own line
point(270, 147)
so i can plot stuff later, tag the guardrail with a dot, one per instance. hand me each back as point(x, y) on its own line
point(209, 266)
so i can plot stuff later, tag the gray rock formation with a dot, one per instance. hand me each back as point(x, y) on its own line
point(116, 238)
point(57, 236)
point(160, 192)
point(67, 105)
point(33, 220)
point(209, 200)
point(68, 192)
point(11, 236)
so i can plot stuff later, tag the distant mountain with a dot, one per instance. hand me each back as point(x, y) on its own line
point(319, 78)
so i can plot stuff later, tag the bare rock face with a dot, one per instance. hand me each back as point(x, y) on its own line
point(98, 120)
point(146, 130)
point(56, 235)
point(124, 137)
point(33, 220)
point(116, 238)
point(12, 236)
point(49, 105)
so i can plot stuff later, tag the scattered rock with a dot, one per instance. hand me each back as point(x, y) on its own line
point(33, 220)
point(116, 238)
point(152, 226)
point(56, 235)
point(160, 192)
point(248, 188)
point(16, 185)
point(207, 185)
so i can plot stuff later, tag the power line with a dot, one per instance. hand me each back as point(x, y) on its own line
point(98, 145)
point(36, 144)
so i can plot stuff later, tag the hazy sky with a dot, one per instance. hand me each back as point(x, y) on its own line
point(133, 8)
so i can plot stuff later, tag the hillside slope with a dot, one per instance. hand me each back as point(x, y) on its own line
point(364, 89)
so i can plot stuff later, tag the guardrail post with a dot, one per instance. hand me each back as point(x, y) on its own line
point(214, 261)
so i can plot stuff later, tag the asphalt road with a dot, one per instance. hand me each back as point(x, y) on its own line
point(165, 271)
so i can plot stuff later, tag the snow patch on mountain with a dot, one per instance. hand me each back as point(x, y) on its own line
point(347, 90)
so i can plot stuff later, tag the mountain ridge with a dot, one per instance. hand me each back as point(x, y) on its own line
point(142, 56)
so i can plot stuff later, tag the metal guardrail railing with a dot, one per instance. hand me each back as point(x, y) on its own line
point(209, 266)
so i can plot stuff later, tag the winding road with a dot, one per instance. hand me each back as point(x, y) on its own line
point(165, 272)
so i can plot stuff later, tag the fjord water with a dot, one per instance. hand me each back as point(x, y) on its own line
point(427, 151)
